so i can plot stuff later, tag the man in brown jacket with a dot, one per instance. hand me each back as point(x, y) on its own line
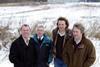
point(61, 34)
point(79, 51)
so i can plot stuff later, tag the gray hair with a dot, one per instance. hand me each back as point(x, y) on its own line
point(80, 27)
point(39, 26)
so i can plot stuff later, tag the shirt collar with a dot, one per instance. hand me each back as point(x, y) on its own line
point(61, 34)
point(40, 37)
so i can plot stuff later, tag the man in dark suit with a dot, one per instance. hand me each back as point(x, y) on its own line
point(22, 51)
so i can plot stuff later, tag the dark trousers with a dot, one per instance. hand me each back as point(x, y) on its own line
point(42, 65)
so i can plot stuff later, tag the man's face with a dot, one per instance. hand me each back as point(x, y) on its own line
point(77, 33)
point(61, 25)
point(40, 31)
point(25, 31)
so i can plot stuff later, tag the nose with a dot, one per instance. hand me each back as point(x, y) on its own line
point(60, 26)
point(74, 33)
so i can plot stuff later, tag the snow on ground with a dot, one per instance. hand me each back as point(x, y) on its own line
point(4, 62)
point(96, 43)
point(48, 13)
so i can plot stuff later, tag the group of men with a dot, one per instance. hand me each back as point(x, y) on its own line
point(69, 48)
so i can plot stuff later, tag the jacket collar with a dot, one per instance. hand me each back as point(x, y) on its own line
point(22, 41)
point(45, 38)
point(80, 44)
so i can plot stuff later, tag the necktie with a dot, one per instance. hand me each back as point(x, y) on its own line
point(40, 41)
point(27, 41)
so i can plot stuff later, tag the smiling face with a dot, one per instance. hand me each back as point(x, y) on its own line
point(40, 30)
point(77, 34)
point(61, 25)
point(25, 31)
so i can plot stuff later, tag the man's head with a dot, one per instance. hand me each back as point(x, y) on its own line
point(62, 23)
point(40, 30)
point(78, 30)
point(25, 31)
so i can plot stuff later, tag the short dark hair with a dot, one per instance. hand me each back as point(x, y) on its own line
point(63, 19)
point(24, 25)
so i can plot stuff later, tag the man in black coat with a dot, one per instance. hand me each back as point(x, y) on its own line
point(22, 51)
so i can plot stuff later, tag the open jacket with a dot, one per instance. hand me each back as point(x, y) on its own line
point(68, 35)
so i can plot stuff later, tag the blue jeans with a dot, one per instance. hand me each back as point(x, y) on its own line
point(59, 63)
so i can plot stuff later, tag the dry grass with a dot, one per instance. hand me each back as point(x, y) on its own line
point(94, 30)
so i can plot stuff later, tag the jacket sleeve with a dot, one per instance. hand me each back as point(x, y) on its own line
point(90, 57)
point(50, 52)
point(13, 56)
point(54, 33)
point(65, 55)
